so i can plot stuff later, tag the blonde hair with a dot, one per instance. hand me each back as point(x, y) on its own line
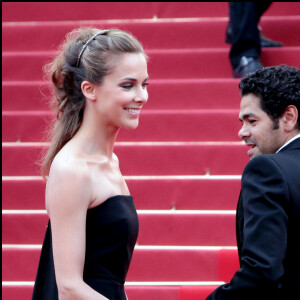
point(82, 57)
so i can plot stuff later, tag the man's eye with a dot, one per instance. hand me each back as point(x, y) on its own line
point(252, 121)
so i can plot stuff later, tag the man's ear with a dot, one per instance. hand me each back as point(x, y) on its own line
point(88, 90)
point(290, 118)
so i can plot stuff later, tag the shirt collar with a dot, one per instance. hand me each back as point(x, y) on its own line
point(288, 142)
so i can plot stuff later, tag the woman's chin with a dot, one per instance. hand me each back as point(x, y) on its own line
point(131, 125)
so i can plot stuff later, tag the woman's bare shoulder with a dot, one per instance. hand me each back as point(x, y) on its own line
point(68, 182)
point(67, 166)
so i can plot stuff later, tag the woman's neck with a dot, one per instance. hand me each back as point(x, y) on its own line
point(96, 138)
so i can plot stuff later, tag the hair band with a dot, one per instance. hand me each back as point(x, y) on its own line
point(86, 44)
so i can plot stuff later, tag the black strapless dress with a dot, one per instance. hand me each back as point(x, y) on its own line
point(111, 234)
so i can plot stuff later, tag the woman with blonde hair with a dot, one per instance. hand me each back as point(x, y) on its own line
point(100, 83)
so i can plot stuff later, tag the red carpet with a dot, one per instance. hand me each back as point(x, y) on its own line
point(164, 64)
point(183, 163)
point(155, 229)
point(172, 193)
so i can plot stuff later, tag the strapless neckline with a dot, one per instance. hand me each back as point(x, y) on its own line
point(108, 199)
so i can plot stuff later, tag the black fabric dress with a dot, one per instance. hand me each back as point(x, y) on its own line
point(111, 234)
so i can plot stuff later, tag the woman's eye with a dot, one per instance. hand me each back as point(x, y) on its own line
point(145, 84)
point(252, 121)
point(127, 86)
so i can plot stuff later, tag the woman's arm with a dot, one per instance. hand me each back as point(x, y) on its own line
point(68, 196)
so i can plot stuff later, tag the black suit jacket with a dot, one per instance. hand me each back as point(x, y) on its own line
point(268, 230)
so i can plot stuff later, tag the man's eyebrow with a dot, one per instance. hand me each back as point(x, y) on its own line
point(246, 116)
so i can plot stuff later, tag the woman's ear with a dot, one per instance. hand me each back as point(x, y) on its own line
point(88, 90)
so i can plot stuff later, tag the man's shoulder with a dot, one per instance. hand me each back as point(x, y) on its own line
point(289, 155)
point(260, 166)
point(260, 160)
point(290, 152)
point(268, 164)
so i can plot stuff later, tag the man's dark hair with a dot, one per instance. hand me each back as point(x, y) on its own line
point(277, 87)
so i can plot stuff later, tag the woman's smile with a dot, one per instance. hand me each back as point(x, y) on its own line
point(133, 111)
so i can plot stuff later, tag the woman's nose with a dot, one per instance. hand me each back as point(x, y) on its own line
point(141, 96)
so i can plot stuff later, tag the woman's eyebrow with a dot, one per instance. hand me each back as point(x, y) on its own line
point(129, 78)
point(134, 79)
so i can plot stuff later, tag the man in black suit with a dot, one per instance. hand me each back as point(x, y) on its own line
point(245, 36)
point(268, 213)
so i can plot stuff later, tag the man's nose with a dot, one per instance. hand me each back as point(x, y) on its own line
point(244, 132)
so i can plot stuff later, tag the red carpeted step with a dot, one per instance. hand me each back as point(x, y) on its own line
point(186, 125)
point(147, 264)
point(25, 95)
point(53, 11)
point(187, 229)
point(152, 292)
point(25, 126)
point(195, 292)
point(163, 64)
point(47, 36)
point(17, 292)
point(168, 292)
point(163, 94)
point(156, 228)
point(151, 34)
point(99, 11)
point(227, 262)
point(155, 193)
point(187, 194)
point(22, 194)
point(140, 159)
